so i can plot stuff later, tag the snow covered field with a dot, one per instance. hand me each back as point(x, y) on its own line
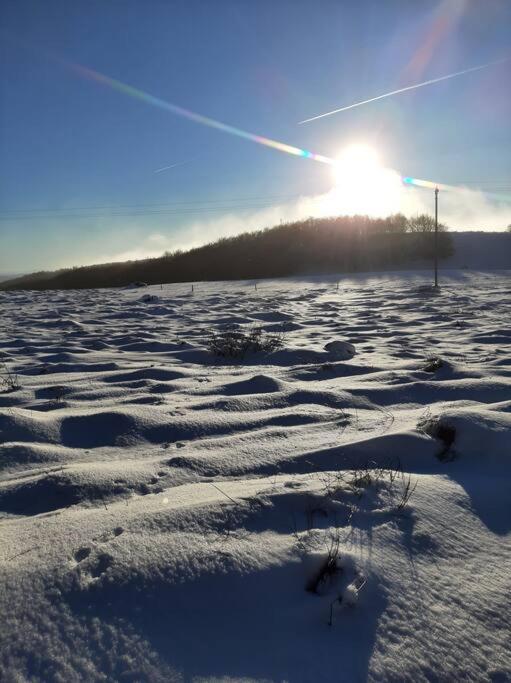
point(168, 514)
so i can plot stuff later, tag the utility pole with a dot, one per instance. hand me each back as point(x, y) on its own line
point(436, 236)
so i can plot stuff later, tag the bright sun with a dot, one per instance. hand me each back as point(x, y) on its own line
point(362, 184)
point(356, 161)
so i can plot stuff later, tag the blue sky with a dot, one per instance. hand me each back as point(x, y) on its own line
point(78, 159)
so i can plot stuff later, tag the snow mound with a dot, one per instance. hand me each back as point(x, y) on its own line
point(341, 350)
point(480, 435)
point(258, 384)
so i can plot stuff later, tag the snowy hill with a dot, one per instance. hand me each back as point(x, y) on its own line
point(331, 246)
point(316, 245)
point(299, 482)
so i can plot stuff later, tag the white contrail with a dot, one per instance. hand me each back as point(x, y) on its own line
point(166, 168)
point(400, 90)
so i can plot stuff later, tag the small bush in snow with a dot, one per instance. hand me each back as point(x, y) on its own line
point(329, 567)
point(336, 572)
point(360, 480)
point(341, 350)
point(433, 363)
point(8, 380)
point(236, 343)
point(440, 430)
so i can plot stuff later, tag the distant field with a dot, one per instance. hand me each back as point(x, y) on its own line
point(480, 250)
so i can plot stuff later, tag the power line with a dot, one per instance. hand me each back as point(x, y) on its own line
point(130, 215)
point(139, 214)
point(144, 206)
point(486, 183)
point(170, 209)
point(181, 207)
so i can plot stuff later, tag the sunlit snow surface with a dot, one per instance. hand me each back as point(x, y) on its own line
point(162, 510)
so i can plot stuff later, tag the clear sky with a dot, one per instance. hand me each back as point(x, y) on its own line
point(83, 166)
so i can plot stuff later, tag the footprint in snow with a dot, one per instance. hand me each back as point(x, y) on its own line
point(94, 567)
point(82, 553)
point(110, 535)
point(100, 565)
point(91, 567)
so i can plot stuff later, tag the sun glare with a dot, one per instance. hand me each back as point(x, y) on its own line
point(356, 159)
point(362, 185)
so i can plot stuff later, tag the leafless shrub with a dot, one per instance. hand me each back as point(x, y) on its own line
point(361, 479)
point(439, 429)
point(433, 363)
point(388, 415)
point(236, 343)
point(330, 566)
point(425, 421)
point(9, 381)
point(407, 490)
point(372, 476)
point(332, 482)
point(57, 398)
point(334, 565)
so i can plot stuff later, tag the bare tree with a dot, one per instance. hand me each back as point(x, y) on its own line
point(424, 223)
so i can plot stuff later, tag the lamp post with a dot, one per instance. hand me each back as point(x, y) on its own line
point(436, 236)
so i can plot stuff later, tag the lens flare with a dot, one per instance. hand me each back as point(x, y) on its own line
point(137, 94)
point(417, 182)
point(444, 19)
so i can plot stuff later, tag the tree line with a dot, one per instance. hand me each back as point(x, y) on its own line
point(312, 246)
